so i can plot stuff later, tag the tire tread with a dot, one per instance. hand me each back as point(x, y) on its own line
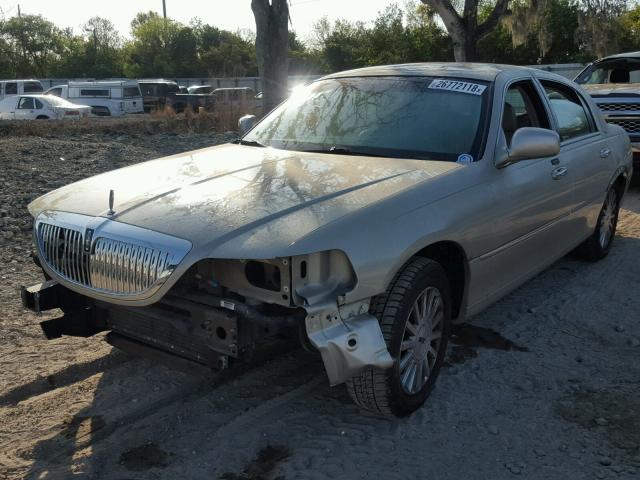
point(370, 389)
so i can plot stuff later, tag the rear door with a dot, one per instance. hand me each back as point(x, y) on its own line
point(584, 151)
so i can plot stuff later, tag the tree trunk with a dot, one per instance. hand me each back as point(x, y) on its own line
point(272, 49)
point(465, 47)
point(465, 32)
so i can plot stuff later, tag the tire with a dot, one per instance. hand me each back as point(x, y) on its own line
point(384, 391)
point(597, 246)
point(101, 111)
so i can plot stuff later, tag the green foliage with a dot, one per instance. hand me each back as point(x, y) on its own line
point(397, 36)
point(630, 28)
point(31, 46)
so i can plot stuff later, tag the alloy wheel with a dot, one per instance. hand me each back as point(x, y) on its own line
point(608, 219)
point(421, 340)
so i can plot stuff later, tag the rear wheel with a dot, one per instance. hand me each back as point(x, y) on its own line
point(42, 117)
point(597, 246)
point(101, 111)
point(415, 317)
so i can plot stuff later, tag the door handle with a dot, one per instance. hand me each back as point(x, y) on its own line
point(559, 173)
point(605, 152)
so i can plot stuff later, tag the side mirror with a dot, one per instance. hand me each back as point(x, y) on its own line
point(246, 123)
point(529, 143)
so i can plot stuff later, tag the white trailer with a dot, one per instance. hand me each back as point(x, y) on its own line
point(9, 88)
point(107, 98)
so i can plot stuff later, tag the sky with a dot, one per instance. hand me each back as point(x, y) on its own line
point(226, 14)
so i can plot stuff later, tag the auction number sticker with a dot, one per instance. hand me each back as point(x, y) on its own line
point(457, 86)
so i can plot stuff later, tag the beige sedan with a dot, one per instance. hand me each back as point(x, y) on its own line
point(371, 211)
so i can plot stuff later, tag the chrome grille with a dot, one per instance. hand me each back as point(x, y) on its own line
point(619, 107)
point(108, 265)
point(630, 126)
point(62, 249)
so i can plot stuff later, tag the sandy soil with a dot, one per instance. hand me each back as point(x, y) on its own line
point(543, 385)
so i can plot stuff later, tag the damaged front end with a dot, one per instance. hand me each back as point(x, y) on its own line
point(218, 310)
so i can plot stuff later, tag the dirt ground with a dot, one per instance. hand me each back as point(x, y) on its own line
point(543, 385)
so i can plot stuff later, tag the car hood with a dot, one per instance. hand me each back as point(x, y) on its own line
point(612, 89)
point(247, 197)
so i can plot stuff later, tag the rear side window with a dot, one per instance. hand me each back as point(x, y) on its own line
point(94, 92)
point(572, 116)
point(39, 105)
point(130, 92)
point(26, 104)
point(33, 87)
point(11, 88)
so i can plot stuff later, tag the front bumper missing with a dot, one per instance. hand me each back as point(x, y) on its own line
point(348, 345)
point(349, 339)
point(78, 320)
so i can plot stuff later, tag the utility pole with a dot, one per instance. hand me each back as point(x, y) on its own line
point(20, 14)
point(164, 8)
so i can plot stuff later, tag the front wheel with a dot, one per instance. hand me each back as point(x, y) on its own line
point(597, 246)
point(415, 318)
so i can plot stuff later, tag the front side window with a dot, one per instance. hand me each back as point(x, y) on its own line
point(149, 90)
point(130, 92)
point(33, 87)
point(406, 117)
point(11, 88)
point(572, 117)
point(522, 108)
point(26, 103)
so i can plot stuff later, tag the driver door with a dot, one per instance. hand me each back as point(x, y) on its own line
point(26, 109)
point(532, 205)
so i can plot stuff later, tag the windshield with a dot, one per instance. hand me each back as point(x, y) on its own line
point(621, 70)
point(406, 117)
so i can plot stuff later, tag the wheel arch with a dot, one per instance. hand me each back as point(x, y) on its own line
point(453, 259)
point(620, 180)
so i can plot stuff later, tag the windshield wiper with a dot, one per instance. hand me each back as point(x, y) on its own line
point(250, 143)
point(343, 151)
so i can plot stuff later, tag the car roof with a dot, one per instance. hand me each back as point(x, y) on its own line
point(159, 80)
point(33, 95)
point(103, 83)
point(232, 88)
point(622, 55)
point(477, 71)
